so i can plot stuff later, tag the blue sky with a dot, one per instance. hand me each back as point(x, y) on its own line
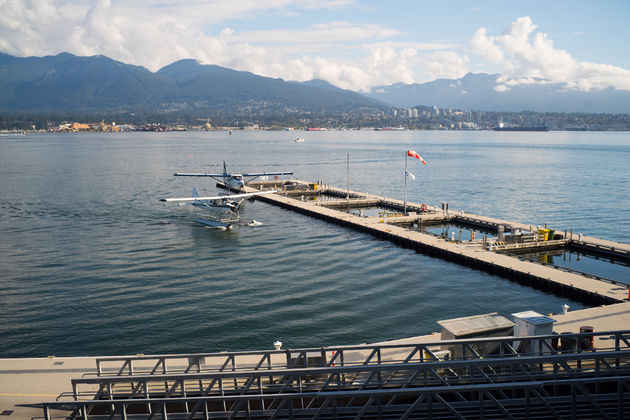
point(350, 43)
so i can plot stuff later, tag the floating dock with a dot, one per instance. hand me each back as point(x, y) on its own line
point(324, 202)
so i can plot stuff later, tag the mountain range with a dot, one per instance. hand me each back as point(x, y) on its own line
point(69, 83)
point(488, 92)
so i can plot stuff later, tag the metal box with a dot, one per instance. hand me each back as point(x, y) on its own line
point(486, 325)
point(530, 323)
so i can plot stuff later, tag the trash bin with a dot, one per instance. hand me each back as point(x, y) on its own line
point(586, 342)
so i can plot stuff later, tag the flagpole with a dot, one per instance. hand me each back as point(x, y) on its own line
point(348, 178)
point(405, 193)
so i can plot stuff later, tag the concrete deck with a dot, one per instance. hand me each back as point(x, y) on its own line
point(601, 318)
point(26, 383)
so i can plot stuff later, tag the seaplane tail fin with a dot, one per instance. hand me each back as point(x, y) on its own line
point(225, 173)
point(195, 192)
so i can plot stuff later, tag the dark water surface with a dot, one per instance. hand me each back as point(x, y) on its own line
point(91, 263)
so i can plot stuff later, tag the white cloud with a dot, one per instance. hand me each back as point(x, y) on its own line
point(484, 46)
point(443, 64)
point(320, 33)
point(525, 54)
point(357, 56)
point(154, 33)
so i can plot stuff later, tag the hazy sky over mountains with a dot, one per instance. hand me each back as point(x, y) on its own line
point(352, 44)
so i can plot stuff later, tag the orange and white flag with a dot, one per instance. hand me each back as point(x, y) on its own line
point(415, 155)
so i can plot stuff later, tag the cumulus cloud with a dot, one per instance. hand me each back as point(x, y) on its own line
point(154, 33)
point(483, 45)
point(351, 55)
point(526, 54)
point(444, 64)
point(320, 33)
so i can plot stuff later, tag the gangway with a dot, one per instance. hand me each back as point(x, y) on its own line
point(516, 400)
point(387, 381)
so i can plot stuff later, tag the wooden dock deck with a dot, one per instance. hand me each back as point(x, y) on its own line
point(472, 254)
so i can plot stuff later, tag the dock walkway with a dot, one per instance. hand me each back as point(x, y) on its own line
point(561, 282)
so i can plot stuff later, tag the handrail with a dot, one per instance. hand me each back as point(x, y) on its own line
point(476, 394)
point(314, 371)
point(620, 339)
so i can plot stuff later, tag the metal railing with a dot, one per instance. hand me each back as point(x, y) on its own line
point(598, 396)
point(312, 382)
point(358, 355)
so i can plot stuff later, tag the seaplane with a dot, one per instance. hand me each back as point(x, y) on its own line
point(223, 208)
point(235, 181)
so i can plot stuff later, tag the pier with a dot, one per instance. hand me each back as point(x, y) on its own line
point(325, 202)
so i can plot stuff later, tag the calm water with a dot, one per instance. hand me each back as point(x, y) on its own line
point(93, 264)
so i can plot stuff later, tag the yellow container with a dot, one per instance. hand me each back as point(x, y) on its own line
point(543, 234)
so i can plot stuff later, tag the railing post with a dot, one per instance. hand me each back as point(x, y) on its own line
point(617, 347)
point(620, 405)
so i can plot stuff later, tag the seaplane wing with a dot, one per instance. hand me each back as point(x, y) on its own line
point(200, 174)
point(219, 197)
point(268, 173)
point(226, 175)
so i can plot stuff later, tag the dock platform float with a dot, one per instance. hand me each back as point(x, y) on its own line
point(469, 253)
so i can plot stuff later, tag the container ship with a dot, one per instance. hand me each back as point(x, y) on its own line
point(502, 127)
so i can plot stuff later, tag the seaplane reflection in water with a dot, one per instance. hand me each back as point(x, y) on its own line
point(223, 208)
point(236, 181)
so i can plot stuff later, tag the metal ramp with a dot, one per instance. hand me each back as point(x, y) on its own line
point(385, 382)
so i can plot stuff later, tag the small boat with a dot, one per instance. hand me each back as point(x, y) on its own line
point(299, 140)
